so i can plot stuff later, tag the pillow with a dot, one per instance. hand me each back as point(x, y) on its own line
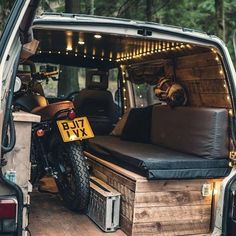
point(117, 131)
point(138, 125)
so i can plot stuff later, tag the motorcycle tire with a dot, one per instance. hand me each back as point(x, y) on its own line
point(73, 176)
point(36, 166)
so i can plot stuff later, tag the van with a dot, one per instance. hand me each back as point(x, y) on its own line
point(161, 103)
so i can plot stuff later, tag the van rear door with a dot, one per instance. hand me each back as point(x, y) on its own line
point(15, 34)
point(225, 223)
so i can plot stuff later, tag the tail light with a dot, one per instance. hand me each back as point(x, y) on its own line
point(40, 132)
point(71, 115)
point(8, 215)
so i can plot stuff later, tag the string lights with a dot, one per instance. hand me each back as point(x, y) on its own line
point(221, 72)
point(124, 88)
point(144, 49)
point(140, 95)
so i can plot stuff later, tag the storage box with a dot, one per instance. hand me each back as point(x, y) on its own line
point(104, 205)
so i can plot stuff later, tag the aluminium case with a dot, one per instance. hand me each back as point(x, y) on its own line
point(104, 205)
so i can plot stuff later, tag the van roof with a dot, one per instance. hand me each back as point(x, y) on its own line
point(60, 19)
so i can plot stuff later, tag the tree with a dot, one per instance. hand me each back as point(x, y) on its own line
point(220, 18)
point(184, 13)
point(89, 7)
point(72, 6)
point(149, 10)
point(68, 78)
point(5, 8)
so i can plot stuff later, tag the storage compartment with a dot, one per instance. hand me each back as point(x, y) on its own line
point(160, 207)
point(104, 205)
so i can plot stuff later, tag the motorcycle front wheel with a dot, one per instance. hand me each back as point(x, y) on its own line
point(73, 176)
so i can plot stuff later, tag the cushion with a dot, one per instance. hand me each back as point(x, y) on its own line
point(117, 131)
point(138, 125)
point(198, 131)
point(155, 162)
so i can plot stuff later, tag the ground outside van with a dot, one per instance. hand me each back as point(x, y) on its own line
point(98, 112)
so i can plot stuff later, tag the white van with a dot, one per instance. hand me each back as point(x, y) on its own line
point(161, 103)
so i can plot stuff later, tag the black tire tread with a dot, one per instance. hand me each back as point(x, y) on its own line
point(76, 155)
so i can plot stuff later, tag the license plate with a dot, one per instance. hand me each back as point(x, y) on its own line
point(77, 129)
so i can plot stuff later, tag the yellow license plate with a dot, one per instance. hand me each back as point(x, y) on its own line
point(77, 129)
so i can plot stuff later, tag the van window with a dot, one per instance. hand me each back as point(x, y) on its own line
point(113, 82)
point(144, 95)
point(5, 10)
point(65, 80)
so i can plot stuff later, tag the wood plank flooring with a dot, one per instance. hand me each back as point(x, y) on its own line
point(49, 217)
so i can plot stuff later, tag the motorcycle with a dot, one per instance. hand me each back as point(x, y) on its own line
point(56, 148)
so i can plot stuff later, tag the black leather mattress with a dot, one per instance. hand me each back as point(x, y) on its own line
point(155, 162)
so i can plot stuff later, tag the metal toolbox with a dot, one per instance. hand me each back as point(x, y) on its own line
point(104, 205)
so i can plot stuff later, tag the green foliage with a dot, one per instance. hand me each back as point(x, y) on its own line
point(5, 7)
point(196, 14)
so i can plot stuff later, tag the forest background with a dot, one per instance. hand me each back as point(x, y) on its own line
point(215, 17)
point(212, 16)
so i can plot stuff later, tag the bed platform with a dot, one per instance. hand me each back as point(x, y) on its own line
point(158, 207)
point(169, 182)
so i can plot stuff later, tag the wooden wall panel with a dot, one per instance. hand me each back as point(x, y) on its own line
point(198, 60)
point(199, 72)
point(203, 77)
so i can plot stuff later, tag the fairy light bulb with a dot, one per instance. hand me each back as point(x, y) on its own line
point(213, 50)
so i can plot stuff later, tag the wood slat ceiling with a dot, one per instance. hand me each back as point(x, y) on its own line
point(109, 47)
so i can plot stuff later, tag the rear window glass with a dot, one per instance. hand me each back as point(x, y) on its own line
point(62, 81)
point(144, 95)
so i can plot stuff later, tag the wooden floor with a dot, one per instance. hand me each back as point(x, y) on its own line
point(49, 217)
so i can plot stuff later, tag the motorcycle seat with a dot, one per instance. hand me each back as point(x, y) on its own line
point(49, 111)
